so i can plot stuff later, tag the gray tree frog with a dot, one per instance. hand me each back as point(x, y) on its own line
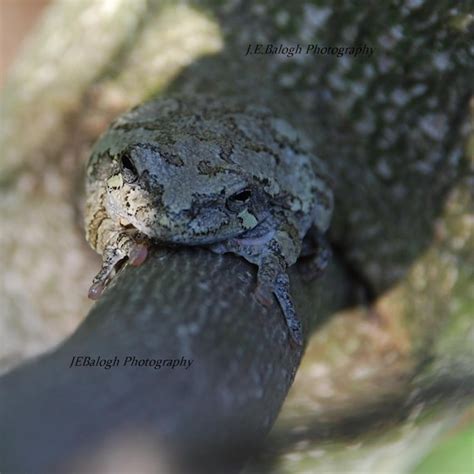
point(207, 172)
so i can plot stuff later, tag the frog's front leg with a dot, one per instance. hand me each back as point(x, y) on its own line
point(282, 293)
point(273, 278)
point(273, 251)
point(120, 245)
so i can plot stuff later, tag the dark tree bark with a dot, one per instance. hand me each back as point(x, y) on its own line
point(212, 416)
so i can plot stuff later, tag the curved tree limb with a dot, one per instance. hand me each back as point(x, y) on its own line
point(187, 303)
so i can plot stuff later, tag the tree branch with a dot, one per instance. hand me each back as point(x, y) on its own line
point(187, 303)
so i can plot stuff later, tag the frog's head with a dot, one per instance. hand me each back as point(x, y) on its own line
point(184, 194)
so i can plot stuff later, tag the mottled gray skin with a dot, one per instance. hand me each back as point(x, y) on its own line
point(208, 172)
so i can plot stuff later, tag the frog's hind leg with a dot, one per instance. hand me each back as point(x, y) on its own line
point(121, 248)
point(272, 257)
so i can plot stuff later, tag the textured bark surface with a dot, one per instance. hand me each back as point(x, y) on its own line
point(178, 304)
point(392, 129)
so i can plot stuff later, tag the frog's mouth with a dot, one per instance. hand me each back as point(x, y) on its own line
point(259, 235)
point(262, 240)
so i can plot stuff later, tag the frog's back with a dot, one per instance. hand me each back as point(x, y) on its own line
point(225, 136)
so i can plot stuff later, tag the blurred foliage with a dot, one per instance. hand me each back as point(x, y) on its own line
point(454, 455)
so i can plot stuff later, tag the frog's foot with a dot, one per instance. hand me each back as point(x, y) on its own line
point(264, 295)
point(138, 254)
point(318, 254)
point(281, 289)
point(113, 258)
point(273, 280)
point(282, 293)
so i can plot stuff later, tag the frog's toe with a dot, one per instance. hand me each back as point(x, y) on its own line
point(111, 261)
point(317, 255)
point(96, 290)
point(314, 267)
point(138, 254)
point(264, 295)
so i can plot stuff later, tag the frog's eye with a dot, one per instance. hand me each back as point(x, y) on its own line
point(129, 171)
point(239, 200)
